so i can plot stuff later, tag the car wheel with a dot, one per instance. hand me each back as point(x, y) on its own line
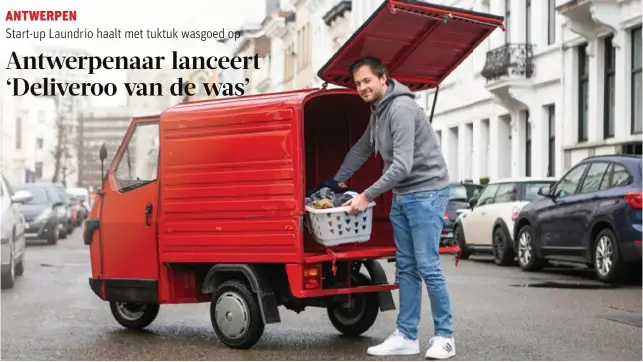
point(20, 267)
point(458, 235)
point(9, 274)
point(235, 315)
point(607, 259)
point(134, 315)
point(527, 258)
point(503, 252)
point(359, 316)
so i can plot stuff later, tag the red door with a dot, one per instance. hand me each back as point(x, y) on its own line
point(128, 224)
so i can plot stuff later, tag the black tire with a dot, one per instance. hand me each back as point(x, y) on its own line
point(20, 267)
point(607, 240)
point(242, 302)
point(528, 261)
point(503, 251)
point(458, 235)
point(361, 315)
point(140, 321)
point(8, 278)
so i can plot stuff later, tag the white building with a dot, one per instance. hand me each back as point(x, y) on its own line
point(512, 107)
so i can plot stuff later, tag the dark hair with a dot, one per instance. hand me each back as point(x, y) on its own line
point(376, 65)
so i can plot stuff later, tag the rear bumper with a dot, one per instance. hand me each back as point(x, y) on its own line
point(630, 244)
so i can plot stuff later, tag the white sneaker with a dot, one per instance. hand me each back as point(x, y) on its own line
point(441, 348)
point(396, 345)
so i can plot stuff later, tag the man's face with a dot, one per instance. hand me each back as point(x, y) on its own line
point(369, 86)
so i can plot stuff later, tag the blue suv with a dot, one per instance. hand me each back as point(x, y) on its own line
point(592, 215)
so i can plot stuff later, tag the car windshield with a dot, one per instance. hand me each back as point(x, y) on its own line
point(531, 189)
point(39, 195)
point(463, 192)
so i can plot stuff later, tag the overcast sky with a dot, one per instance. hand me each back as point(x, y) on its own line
point(130, 15)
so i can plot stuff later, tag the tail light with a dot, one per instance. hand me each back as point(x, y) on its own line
point(634, 199)
point(446, 215)
point(312, 277)
point(514, 213)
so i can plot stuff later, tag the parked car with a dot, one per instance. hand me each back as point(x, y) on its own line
point(459, 196)
point(12, 233)
point(66, 210)
point(41, 213)
point(486, 227)
point(79, 197)
point(591, 216)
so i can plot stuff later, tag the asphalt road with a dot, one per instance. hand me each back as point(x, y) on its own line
point(51, 314)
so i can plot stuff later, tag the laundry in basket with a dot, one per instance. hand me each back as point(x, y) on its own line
point(335, 226)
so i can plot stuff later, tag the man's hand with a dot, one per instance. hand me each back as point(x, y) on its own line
point(357, 204)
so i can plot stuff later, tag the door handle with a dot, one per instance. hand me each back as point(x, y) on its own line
point(148, 213)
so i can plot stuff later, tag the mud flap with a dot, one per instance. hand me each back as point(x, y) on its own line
point(259, 285)
point(378, 276)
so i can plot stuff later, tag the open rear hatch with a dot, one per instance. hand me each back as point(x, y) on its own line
point(420, 44)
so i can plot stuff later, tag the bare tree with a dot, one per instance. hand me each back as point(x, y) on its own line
point(61, 151)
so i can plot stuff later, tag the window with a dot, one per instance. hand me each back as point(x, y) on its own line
point(528, 22)
point(531, 190)
point(608, 89)
point(527, 145)
point(39, 143)
point(463, 192)
point(568, 184)
point(18, 133)
point(487, 195)
point(583, 92)
point(506, 193)
point(594, 178)
point(551, 167)
point(637, 111)
point(38, 170)
point(138, 162)
point(508, 21)
point(605, 183)
point(551, 21)
point(620, 176)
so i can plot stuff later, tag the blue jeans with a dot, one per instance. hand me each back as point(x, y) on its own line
point(417, 224)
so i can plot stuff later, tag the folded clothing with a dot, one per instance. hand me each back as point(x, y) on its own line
point(337, 187)
point(325, 198)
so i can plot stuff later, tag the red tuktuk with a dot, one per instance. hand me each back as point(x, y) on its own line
point(206, 202)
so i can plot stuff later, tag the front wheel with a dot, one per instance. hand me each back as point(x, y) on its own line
point(134, 315)
point(354, 318)
point(503, 252)
point(527, 258)
point(235, 315)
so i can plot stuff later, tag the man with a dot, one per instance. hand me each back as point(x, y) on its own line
point(415, 170)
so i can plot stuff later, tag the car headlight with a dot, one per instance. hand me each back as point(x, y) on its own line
point(43, 215)
point(61, 211)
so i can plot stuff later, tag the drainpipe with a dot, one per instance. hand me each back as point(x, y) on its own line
point(559, 144)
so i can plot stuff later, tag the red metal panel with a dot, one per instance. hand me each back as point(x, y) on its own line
point(420, 43)
point(231, 186)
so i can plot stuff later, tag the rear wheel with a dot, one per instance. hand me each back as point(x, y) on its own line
point(235, 315)
point(458, 234)
point(134, 315)
point(607, 260)
point(354, 318)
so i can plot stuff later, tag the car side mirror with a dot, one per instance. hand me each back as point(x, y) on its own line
point(473, 201)
point(21, 197)
point(544, 191)
point(102, 154)
point(58, 204)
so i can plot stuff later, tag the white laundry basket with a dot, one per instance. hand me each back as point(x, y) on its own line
point(332, 227)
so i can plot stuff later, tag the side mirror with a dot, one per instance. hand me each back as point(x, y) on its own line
point(21, 196)
point(58, 204)
point(102, 154)
point(544, 191)
point(473, 201)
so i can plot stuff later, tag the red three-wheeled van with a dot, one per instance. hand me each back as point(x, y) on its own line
point(206, 202)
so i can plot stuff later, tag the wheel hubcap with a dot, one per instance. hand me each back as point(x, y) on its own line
point(524, 248)
point(604, 252)
point(131, 311)
point(349, 314)
point(231, 315)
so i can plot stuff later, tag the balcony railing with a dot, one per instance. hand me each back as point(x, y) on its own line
point(509, 60)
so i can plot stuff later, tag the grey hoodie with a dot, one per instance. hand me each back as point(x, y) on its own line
point(400, 132)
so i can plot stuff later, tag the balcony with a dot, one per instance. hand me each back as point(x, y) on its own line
point(508, 71)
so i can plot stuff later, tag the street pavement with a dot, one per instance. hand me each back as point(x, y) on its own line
point(499, 314)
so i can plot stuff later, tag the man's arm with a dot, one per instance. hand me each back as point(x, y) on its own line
point(403, 131)
point(356, 156)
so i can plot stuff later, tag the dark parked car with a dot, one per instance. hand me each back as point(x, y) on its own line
point(67, 215)
point(592, 215)
point(459, 197)
point(40, 213)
